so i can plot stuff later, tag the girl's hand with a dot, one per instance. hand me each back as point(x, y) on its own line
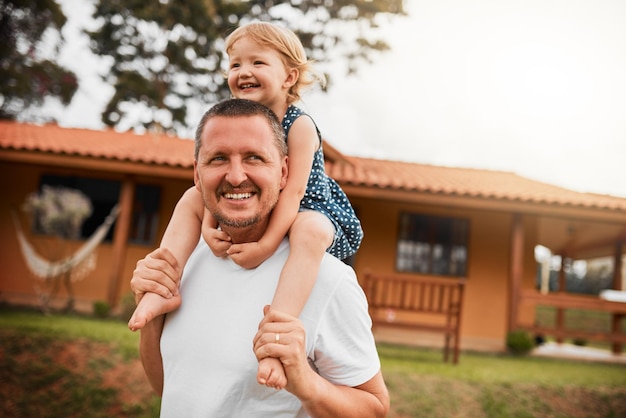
point(217, 240)
point(249, 255)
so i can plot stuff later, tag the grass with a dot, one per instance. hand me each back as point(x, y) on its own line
point(72, 327)
point(34, 382)
point(484, 385)
point(40, 387)
point(70, 366)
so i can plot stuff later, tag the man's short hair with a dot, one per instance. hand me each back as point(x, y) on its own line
point(242, 107)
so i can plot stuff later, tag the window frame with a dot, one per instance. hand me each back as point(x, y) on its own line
point(104, 194)
point(432, 245)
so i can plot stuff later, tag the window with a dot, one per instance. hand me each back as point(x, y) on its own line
point(104, 194)
point(432, 245)
point(145, 218)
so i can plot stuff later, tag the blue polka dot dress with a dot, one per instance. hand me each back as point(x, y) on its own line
point(324, 195)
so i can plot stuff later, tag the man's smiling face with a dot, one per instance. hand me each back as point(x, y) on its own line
point(239, 171)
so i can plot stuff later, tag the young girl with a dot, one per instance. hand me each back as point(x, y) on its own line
point(268, 65)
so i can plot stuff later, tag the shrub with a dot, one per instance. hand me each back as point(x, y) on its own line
point(519, 342)
point(101, 309)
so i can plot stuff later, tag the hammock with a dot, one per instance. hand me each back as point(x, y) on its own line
point(45, 269)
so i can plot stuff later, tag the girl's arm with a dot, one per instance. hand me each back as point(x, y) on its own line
point(302, 143)
point(183, 231)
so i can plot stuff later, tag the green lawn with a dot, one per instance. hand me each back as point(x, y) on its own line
point(484, 385)
point(39, 378)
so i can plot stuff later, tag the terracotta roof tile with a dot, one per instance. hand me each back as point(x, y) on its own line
point(366, 172)
point(106, 144)
point(360, 172)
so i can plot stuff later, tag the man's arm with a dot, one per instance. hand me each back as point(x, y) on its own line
point(324, 399)
point(158, 272)
point(150, 352)
point(319, 397)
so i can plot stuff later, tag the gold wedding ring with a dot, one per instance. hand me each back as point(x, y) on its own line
point(277, 338)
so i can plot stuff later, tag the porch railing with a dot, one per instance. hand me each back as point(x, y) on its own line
point(564, 301)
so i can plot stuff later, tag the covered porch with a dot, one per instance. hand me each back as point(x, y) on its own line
point(577, 236)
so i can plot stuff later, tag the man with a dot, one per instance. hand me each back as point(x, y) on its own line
point(199, 357)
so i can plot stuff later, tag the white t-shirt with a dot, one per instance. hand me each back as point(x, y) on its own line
point(210, 368)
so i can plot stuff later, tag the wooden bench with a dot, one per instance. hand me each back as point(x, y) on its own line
point(418, 303)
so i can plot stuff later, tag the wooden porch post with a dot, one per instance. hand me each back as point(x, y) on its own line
point(517, 268)
point(120, 239)
point(617, 285)
point(617, 262)
point(560, 313)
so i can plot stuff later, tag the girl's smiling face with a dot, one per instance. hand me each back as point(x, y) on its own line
point(258, 73)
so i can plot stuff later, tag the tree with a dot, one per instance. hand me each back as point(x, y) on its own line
point(169, 54)
point(26, 38)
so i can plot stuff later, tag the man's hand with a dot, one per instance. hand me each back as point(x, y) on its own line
point(289, 347)
point(158, 273)
point(319, 397)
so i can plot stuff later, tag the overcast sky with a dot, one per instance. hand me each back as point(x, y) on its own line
point(536, 87)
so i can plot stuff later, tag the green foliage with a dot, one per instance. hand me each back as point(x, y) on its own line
point(519, 342)
point(27, 76)
point(101, 309)
point(169, 54)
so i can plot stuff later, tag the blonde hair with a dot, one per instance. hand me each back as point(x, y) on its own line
point(288, 45)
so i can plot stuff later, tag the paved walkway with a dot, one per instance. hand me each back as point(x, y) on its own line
point(570, 351)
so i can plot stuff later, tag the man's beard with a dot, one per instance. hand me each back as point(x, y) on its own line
point(234, 222)
point(225, 221)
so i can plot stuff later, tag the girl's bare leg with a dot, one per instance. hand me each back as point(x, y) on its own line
point(181, 237)
point(309, 237)
point(151, 306)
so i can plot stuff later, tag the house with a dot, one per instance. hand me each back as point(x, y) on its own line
point(419, 221)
